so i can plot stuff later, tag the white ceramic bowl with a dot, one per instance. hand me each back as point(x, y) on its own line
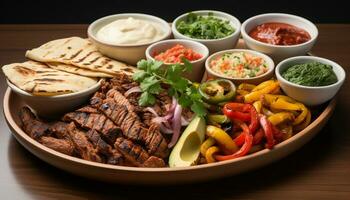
point(214, 45)
point(279, 52)
point(254, 80)
point(130, 54)
point(309, 95)
point(196, 74)
point(53, 106)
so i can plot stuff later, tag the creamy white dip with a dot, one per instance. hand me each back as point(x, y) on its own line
point(130, 31)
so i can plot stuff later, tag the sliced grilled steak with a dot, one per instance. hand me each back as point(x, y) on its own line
point(59, 129)
point(84, 148)
point(120, 99)
point(31, 125)
point(136, 154)
point(133, 129)
point(98, 121)
point(113, 156)
point(61, 145)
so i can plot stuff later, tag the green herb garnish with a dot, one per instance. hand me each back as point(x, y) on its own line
point(311, 74)
point(204, 27)
point(151, 77)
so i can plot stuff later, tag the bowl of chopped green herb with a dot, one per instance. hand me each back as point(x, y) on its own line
point(309, 79)
point(217, 30)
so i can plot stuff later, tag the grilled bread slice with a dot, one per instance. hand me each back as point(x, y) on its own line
point(80, 53)
point(39, 79)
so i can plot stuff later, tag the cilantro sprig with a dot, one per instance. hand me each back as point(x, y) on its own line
point(152, 75)
point(204, 27)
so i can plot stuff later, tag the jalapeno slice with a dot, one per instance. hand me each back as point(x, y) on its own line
point(217, 91)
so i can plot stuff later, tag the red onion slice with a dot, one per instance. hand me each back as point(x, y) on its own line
point(176, 125)
point(132, 90)
point(151, 110)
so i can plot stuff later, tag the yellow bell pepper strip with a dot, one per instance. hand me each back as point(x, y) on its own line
point(281, 117)
point(222, 138)
point(302, 115)
point(281, 104)
point(257, 105)
point(246, 87)
point(263, 85)
point(209, 154)
point(268, 99)
point(244, 149)
point(215, 119)
point(268, 130)
point(255, 95)
point(242, 92)
point(206, 145)
point(303, 124)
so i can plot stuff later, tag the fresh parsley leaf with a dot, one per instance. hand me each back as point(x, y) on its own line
point(142, 65)
point(146, 99)
point(199, 108)
point(148, 82)
point(140, 75)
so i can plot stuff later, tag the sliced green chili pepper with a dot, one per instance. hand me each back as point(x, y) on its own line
point(217, 119)
point(217, 91)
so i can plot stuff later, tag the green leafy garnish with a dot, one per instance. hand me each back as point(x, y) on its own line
point(151, 77)
point(204, 27)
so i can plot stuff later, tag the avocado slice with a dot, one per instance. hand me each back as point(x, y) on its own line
point(187, 149)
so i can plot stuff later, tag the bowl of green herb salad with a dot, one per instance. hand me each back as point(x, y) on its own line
point(309, 79)
point(217, 30)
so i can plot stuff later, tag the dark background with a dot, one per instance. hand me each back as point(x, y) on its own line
point(39, 11)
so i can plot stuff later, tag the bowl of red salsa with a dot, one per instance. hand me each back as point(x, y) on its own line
point(174, 51)
point(279, 35)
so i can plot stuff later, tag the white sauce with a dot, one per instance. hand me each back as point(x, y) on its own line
point(130, 31)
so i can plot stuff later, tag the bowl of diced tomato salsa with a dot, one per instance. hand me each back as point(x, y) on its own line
point(178, 51)
point(240, 65)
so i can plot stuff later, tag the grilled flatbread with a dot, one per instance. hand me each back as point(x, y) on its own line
point(80, 53)
point(79, 71)
point(39, 79)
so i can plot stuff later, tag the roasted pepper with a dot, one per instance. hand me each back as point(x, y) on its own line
point(246, 87)
point(218, 90)
point(304, 124)
point(217, 119)
point(244, 149)
point(242, 112)
point(255, 95)
point(281, 117)
point(301, 117)
point(268, 130)
point(222, 138)
point(209, 154)
point(206, 145)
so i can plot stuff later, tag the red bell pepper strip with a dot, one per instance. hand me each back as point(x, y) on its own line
point(242, 112)
point(259, 135)
point(244, 149)
point(267, 126)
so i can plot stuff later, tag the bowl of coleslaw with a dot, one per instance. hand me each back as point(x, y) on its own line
point(240, 65)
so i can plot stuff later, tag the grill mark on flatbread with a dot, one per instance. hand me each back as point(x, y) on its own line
point(48, 79)
point(94, 60)
point(127, 69)
point(62, 55)
point(76, 54)
point(24, 70)
point(105, 61)
point(67, 41)
point(87, 55)
point(109, 66)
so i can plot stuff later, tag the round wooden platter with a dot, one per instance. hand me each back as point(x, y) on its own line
point(133, 175)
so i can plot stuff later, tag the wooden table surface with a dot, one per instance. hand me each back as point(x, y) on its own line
point(319, 170)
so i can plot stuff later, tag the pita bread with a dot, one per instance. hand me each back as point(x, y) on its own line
point(80, 53)
point(79, 71)
point(39, 79)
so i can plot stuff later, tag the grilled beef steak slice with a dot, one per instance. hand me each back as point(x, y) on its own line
point(136, 154)
point(154, 161)
point(113, 156)
point(31, 125)
point(59, 129)
point(98, 121)
point(120, 99)
point(61, 145)
point(133, 129)
point(84, 148)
